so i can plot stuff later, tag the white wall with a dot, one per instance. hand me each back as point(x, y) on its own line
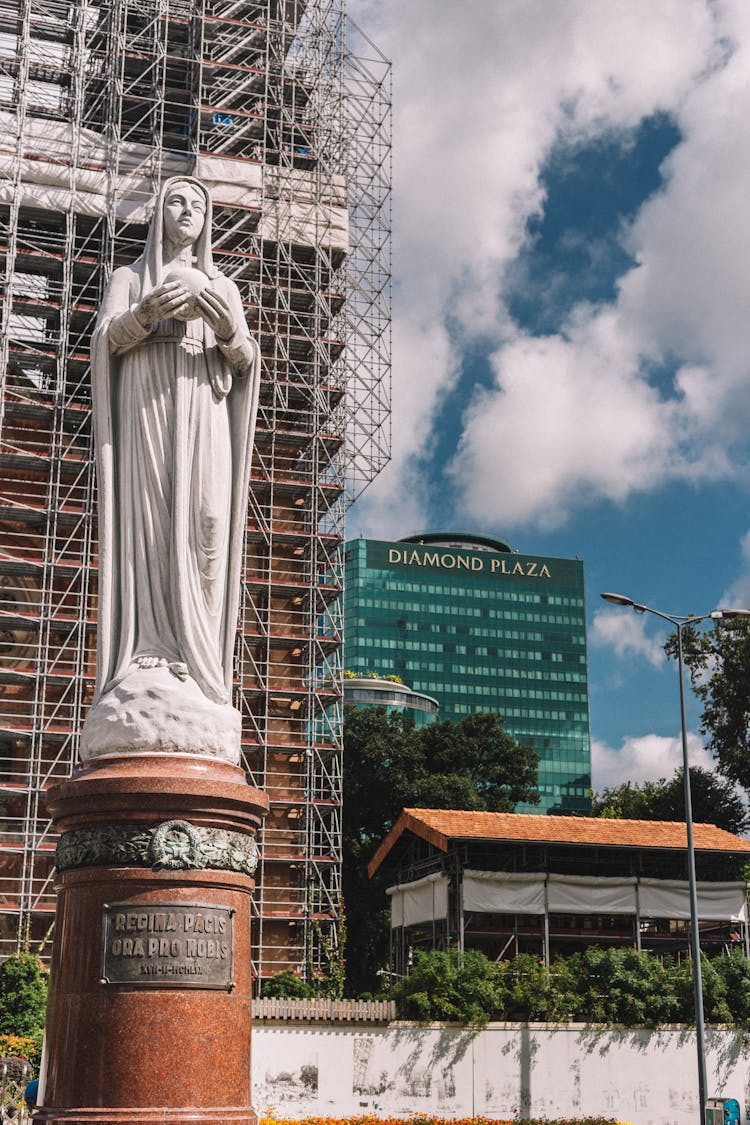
point(506, 1070)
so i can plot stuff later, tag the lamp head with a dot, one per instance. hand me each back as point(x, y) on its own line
point(617, 599)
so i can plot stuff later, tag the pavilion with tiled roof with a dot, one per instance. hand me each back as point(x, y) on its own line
point(509, 883)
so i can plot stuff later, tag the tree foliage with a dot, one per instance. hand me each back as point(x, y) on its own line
point(716, 1001)
point(445, 986)
point(718, 662)
point(479, 756)
point(23, 995)
point(621, 986)
point(390, 765)
point(287, 985)
point(528, 990)
point(714, 800)
point(609, 986)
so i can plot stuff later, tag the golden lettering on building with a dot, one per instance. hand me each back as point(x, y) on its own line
point(447, 560)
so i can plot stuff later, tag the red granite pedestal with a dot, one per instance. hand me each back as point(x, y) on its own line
point(150, 993)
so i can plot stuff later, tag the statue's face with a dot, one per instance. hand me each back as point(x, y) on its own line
point(184, 214)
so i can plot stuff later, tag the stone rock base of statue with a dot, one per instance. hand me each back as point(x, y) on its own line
point(156, 711)
point(150, 996)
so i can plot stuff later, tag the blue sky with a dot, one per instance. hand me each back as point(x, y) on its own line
point(572, 312)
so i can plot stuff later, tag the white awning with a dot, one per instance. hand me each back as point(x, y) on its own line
point(506, 892)
point(424, 900)
point(670, 898)
point(591, 894)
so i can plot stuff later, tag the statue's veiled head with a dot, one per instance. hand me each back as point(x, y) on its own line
point(184, 213)
point(183, 216)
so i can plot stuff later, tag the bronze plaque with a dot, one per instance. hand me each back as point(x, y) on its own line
point(150, 945)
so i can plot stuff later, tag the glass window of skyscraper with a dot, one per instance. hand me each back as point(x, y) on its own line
point(464, 619)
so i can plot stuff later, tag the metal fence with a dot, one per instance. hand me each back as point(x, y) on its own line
point(15, 1073)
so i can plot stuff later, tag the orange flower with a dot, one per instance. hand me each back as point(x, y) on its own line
point(426, 1119)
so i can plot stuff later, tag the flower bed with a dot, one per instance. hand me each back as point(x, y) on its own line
point(422, 1119)
point(21, 1046)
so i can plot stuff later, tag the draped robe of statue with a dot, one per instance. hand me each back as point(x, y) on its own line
point(174, 417)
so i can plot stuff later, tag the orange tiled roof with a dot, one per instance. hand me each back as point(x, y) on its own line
point(439, 826)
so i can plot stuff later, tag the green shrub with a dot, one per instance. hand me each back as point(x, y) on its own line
point(524, 989)
point(716, 1007)
point(609, 986)
point(735, 972)
point(624, 986)
point(287, 986)
point(23, 995)
point(451, 986)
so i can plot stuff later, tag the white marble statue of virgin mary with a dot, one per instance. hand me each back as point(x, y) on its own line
point(175, 378)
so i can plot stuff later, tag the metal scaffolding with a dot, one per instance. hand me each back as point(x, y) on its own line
point(283, 109)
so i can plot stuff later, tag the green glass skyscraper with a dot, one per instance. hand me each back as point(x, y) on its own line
point(481, 628)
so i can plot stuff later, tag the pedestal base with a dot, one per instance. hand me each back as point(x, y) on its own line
point(150, 999)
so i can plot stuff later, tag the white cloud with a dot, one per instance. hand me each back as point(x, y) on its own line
point(737, 595)
point(426, 362)
point(482, 94)
point(606, 428)
point(647, 758)
point(626, 634)
point(566, 423)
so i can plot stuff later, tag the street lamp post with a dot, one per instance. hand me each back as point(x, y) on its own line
point(679, 622)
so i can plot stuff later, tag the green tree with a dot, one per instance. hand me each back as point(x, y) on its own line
point(524, 988)
point(498, 773)
point(735, 973)
point(390, 765)
point(714, 801)
point(462, 988)
point(382, 764)
point(606, 986)
point(287, 985)
point(716, 1002)
point(718, 661)
point(622, 986)
point(23, 995)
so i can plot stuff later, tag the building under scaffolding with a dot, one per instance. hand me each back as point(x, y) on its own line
point(282, 108)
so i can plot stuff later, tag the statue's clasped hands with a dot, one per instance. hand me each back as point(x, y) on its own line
point(216, 313)
point(173, 299)
point(161, 303)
